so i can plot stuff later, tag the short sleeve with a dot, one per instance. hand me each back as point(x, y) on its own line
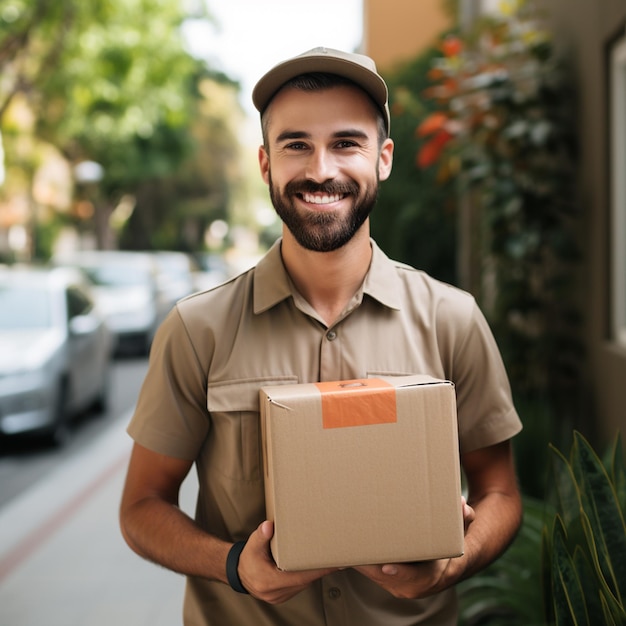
point(171, 415)
point(486, 412)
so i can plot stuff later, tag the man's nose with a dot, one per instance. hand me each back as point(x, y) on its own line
point(321, 166)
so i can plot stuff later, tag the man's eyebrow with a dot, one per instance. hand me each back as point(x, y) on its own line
point(290, 135)
point(355, 133)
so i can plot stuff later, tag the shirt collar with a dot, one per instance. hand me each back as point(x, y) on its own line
point(272, 283)
point(382, 281)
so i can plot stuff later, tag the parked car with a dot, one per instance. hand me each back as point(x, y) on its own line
point(126, 287)
point(55, 351)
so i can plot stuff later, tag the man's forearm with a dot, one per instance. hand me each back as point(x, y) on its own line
point(161, 532)
point(498, 517)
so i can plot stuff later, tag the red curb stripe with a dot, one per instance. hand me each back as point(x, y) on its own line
point(40, 535)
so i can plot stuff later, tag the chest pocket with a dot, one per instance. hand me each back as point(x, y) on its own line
point(234, 442)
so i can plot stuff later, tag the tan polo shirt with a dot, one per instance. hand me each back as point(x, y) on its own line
point(200, 402)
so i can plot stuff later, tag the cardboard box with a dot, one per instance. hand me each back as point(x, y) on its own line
point(362, 472)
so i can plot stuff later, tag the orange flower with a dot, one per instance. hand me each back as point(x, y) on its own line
point(431, 151)
point(451, 46)
point(434, 122)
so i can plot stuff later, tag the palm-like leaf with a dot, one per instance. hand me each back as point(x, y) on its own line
point(607, 530)
point(567, 593)
point(577, 550)
point(586, 552)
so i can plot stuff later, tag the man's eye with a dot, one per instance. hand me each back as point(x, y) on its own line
point(297, 145)
point(345, 143)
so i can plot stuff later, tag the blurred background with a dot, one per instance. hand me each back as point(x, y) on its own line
point(128, 147)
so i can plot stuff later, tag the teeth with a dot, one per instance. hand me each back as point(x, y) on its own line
point(321, 199)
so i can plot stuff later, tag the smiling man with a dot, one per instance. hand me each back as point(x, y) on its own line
point(324, 304)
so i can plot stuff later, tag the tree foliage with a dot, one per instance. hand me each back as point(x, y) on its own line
point(111, 81)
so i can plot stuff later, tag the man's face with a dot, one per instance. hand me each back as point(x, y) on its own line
point(323, 163)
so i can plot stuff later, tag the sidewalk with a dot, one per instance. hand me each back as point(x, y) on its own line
point(63, 561)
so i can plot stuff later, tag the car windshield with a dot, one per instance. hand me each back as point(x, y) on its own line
point(24, 307)
point(117, 275)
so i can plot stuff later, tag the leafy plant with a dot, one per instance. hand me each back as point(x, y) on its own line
point(504, 133)
point(567, 565)
point(584, 548)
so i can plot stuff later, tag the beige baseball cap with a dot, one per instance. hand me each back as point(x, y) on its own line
point(358, 68)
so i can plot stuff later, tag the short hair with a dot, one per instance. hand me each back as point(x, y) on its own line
point(321, 81)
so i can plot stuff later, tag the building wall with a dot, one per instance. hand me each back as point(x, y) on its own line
point(582, 31)
point(397, 30)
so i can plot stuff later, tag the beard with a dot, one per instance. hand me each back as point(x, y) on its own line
point(322, 231)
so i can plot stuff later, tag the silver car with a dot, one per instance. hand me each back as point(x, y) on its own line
point(125, 285)
point(55, 351)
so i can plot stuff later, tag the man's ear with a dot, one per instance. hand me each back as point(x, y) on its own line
point(385, 161)
point(264, 164)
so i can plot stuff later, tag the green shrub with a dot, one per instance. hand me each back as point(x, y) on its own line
point(567, 566)
point(584, 547)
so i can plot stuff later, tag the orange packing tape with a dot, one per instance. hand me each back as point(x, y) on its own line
point(359, 402)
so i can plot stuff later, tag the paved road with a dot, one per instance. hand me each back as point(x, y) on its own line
point(63, 561)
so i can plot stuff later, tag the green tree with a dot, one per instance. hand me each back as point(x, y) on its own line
point(122, 96)
point(175, 208)
point(110, 81)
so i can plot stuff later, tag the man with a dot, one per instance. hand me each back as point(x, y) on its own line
point(324, 304)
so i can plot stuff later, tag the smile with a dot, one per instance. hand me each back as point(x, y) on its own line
point(324, 199)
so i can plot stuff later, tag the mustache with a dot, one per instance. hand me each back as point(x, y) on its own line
point(330, 187)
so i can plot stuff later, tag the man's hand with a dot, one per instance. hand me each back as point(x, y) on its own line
point(260, 576)
point(416, 580)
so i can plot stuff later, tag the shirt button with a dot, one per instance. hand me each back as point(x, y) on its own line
point(334, 593)
point(331, 335)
